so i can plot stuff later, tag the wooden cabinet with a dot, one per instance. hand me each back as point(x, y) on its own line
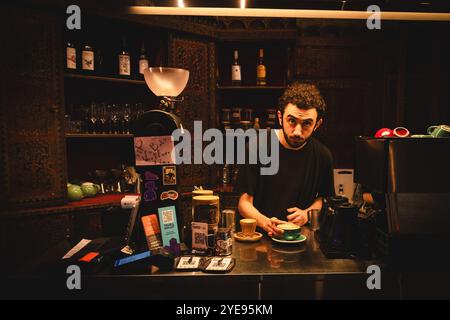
point(32, 147)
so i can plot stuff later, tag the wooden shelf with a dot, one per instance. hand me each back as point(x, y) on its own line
point(98, 135)
point(94, 203)
point(231, 88)
point(101, 78)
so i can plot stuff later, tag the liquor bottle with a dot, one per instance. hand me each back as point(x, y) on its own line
point(124, 60)
point(87, 58)
point(71, 56)
point(143, 60)
point(236, 70)
point(261, 70)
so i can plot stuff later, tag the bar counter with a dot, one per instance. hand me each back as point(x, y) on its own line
point(263, 270)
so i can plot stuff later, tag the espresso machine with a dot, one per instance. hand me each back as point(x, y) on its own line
point(410, 178)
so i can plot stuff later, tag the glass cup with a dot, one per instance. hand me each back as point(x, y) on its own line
point(248, 227)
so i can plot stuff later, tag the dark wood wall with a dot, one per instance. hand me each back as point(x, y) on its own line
point(396, 76)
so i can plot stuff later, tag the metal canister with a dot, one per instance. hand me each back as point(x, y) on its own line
point(224, 238)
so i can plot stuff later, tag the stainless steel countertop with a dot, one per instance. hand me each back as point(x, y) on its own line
point(266, 257)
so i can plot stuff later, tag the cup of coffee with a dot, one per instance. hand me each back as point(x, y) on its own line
point(290, 231)
point(248, 227)
point(442, 131)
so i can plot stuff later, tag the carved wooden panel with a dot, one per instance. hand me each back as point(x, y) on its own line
point(195, 56)
point(331, 62)
point(32, 146)
point(347, 70)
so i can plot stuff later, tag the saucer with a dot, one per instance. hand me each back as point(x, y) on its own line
point(300, 239)
point(253, 238)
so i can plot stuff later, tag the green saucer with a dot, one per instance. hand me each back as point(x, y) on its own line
point(300, 239)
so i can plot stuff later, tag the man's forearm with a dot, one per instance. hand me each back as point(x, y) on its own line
point(248, 210)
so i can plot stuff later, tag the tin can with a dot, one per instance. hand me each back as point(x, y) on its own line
point(224, 242)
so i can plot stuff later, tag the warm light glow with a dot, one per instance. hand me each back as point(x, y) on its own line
point(180, 3)
point(242, 4)
point(287, 13)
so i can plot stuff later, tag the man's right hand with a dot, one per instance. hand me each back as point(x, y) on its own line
point(270, 226)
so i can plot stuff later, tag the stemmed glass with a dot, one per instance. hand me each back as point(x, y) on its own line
point(92, 118)
point(126, 117)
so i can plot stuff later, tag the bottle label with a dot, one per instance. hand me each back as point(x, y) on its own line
point(235, 73)
point(224, 242)
point(261, 71)
point(71, 58)
point(88, 60)
point(124, 65)
point(143, 64)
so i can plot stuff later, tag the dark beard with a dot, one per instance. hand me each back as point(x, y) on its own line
point(286, 138)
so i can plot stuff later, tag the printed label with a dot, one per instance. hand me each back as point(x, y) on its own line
point(88, 60)
point(143, 64)
point(124, 65)
point(261, 71)
point(71, 58)
point(236, 73)
point(219, 264)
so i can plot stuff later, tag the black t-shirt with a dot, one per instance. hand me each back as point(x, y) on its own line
point(303, 175)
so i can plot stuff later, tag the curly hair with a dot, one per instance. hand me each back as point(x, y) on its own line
point(304, 96)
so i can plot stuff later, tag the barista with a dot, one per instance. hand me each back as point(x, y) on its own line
point(305, 172)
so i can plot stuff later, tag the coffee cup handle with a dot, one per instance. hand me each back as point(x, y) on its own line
point(431, 129)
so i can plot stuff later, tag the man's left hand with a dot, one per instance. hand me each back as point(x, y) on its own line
point(297, 216)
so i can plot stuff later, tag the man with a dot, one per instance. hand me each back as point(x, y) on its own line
point(305, 172)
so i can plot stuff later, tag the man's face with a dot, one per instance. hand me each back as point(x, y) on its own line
point(298, 124)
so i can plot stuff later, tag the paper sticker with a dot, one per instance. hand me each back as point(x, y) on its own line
point(169, 175)
point(151, 151)
point(170, 194)
point(150, 186)
point(199, 235)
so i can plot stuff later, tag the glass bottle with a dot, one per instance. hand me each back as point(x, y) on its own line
point(236, 70)
point(124, 60)
point(143, 60)
point(261, 70)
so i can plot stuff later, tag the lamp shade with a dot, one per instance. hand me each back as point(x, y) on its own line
point(164, 81)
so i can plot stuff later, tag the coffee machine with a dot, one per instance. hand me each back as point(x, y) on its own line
point(410, 177)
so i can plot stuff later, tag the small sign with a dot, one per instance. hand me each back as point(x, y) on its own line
point(169, 225)
point(153, 151)
point(188, 263)
point(169, 175)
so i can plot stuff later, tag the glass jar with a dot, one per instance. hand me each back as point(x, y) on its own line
point(247, 115)
point(206, 209)
point(236, 115)
point(226, 114)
